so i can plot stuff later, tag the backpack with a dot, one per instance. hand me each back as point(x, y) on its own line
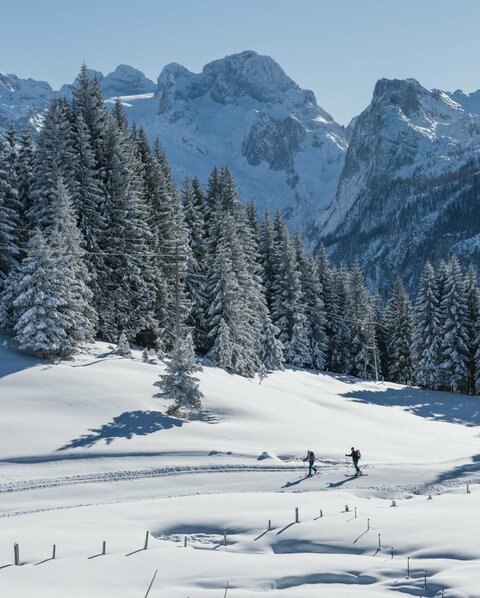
point(311, 456)
point(358, 454)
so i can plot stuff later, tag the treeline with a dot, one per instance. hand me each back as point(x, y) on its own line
point(96, 240)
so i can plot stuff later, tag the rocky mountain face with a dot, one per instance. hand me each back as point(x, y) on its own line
point(409, 190)
point(284, 150)
point(398, 186)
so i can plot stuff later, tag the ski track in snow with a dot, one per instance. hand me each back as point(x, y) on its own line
point(334, 471)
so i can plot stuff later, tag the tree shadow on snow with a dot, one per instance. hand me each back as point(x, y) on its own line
point(13, 360)
point(434, 405)
point(127, 425)
point(465, 470)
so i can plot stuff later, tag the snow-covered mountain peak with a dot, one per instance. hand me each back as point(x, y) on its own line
point(125, 81)
point(410, 149)
point(247, 74)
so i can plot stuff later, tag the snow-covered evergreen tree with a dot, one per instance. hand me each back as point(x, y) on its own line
point(196, 279)
point(10, 215)
point(54, 160)
point(313, 306)
point(454, 349)
point(232, 345)
point(90, 199)
point(172, 250)
point(128, 282)
point(52, 306)
point(398, 332)
point(338, 330)
point(179, 384)
point(426, 337)
point(123, 346)
point(358, 317)
point(88, 102)
point(288, 309)
point(473, 315)
point(267, 256)
point(24, 170)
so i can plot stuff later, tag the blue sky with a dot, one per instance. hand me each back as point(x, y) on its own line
point(338, 48)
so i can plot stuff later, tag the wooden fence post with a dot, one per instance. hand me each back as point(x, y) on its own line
point(224, 537)
point(147, 534)
point(296, 514)
point(54, 551)
point(16, 553)
point(104, 547)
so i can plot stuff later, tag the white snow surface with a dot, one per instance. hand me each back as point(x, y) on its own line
point(88, 454)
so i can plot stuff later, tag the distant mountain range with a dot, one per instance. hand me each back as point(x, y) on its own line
point(397, 186)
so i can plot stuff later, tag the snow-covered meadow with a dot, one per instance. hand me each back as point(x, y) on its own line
point(87, 455)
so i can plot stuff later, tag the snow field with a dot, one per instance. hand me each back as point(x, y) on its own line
point(335, 550)
point(87, 454)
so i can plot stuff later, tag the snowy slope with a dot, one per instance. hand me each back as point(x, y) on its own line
point(87, 454)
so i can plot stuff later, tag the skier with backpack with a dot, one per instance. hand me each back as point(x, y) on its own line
point(310, 458)
point(356, 456)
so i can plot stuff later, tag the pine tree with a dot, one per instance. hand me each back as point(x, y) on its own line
point(172, 249)
point(454, 349)
point(398, 332)
point(196, 279)
point(426, 338)
point(128, 289)
point(10, 215)
point(232, 345)
point(288, 313)
point(52, 311)
point(473, 315)
point(267, 257)
point(313, 306)
point(24, 172)
point(339, 334)
point(359, 321)
point(88, 102)
point(123, 347)
point(178, 384)
point(54, 159)
point(90, 199)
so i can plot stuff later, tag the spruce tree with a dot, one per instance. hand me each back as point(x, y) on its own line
point(454, 349)
point(473, 315)
point(10, 215)
point(313, 306)
point(52, 311)
point(90, 200)
point(178, 384)
point(426, 338)
point(128, 281)
point(398, 333)
point(196, 278)
point(359, 322)
point(54, 159)
point(288, 313)
point(88, 102)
